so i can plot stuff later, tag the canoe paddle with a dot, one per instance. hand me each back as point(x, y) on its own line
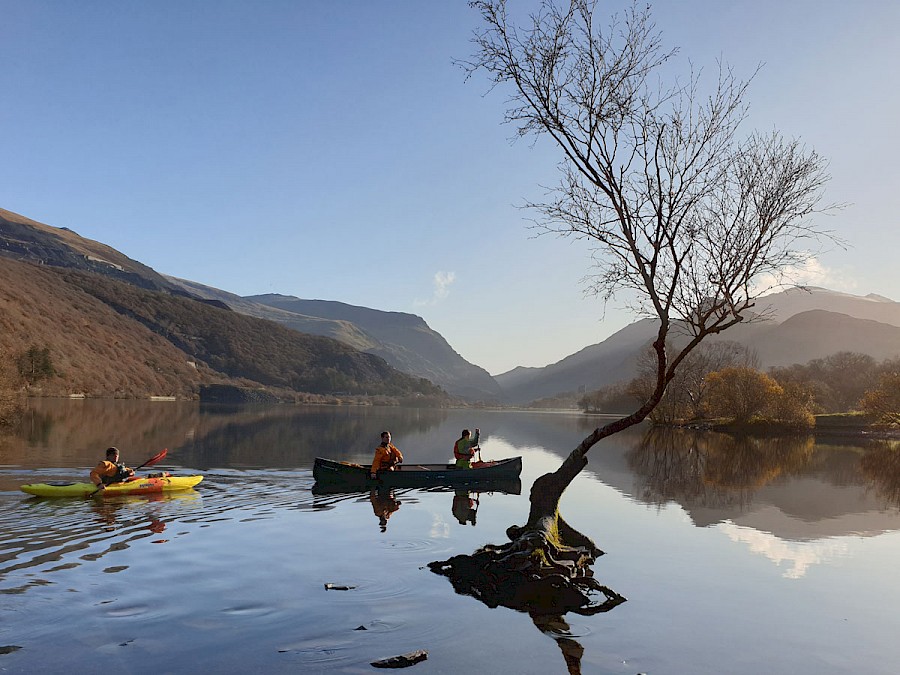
point(150, 462)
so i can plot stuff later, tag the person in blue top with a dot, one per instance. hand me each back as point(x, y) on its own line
point(464, 448)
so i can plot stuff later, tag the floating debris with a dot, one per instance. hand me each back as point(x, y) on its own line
point(402, 661)
point(338, 587)
point(9, 649)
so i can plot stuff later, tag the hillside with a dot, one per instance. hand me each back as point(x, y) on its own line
point(24, 239)
point(93, 348)
point(116, 327)
point(805, 324)
point(595, 366)
point(404, 340)
point(110, 338)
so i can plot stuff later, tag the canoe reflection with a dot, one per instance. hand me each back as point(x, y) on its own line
point(385, 503)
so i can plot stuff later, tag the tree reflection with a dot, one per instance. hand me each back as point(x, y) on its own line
point(881, 467)
point(710, 469)
point(511, 575)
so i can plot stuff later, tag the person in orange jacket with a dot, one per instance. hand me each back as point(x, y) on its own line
point(111, 470)
point(387, 456)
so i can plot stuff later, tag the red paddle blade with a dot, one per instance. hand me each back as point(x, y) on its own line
point(156, 458)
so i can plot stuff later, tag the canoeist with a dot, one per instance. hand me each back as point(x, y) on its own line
point(387, 456)
point(110, 470)
point(464, 448)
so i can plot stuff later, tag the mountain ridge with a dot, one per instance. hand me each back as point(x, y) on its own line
point(802, 324)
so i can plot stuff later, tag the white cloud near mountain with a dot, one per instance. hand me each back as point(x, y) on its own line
point(813, 273)
point(441, 283)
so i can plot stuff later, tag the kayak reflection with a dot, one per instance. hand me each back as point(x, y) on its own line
point(384, 504)
point(121, 512)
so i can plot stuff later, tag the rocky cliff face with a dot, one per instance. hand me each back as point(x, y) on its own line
point(28, 240)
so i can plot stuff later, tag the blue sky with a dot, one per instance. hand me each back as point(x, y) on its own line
point(331, 149)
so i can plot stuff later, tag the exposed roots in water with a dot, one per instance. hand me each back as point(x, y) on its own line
point(544, 570)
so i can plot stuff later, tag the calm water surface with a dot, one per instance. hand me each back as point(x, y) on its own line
point(736, 557)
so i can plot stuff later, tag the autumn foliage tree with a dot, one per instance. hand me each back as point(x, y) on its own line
point(687, 218)
point(838, 381)
point(883, 402)
point(686, 395)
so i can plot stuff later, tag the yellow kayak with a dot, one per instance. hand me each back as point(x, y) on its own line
point(135, 486)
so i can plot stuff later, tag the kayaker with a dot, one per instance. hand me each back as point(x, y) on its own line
point(387, 456)
point(110, 470)
point(464, 449)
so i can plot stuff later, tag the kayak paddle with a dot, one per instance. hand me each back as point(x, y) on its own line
point(150, 462)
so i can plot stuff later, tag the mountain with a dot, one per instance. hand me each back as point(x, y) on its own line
point(115, 327)
point(24, 239)
point(593, 367)
point(800, 324)
point(405, 341)
point(293, 344)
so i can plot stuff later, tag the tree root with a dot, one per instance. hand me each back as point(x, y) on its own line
point(544, 570)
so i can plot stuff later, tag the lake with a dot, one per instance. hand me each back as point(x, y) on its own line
point(735, 556)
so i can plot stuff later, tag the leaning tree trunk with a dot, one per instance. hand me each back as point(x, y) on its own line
point(546, 567)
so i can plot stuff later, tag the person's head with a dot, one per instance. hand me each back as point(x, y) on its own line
point(385, 437)
point(112, 454)
point(466, 433)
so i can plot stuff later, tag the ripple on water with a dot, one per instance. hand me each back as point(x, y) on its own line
point(575, 630)
point(374, 590)
point(246, 610)
point(322, 652)
point(410, 545)
point(120, 611)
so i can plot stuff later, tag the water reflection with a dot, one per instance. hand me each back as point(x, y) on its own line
point(465, 506)
point(384, 504)
point(712, 469)
point(558, 629)
point(817, 489)
point(109, 511)
point(65, 533)
point(793, 502)
point(881, 467)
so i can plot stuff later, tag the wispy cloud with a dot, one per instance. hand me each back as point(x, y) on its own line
point(812, 273)
point(440, 288)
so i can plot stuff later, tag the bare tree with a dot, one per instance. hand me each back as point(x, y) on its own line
point(689, 221)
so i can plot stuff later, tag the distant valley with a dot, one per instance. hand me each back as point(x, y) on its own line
point(116, 327)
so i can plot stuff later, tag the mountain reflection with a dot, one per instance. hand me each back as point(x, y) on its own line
point(817, 489)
